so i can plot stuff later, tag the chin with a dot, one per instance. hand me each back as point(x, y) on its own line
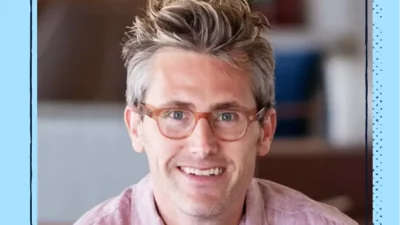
point(202, 204)
point(201, 209)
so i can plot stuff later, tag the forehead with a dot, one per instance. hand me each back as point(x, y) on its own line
point(199, 79)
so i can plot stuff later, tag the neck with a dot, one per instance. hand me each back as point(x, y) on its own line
point(171, 215)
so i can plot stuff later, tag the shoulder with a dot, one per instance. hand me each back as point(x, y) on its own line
point(133, 205)
point(285, 204)
point(112, 211)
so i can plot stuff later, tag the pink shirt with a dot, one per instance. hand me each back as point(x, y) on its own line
point(267, 203)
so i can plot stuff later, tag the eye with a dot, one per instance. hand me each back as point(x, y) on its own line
point(174, 114)
point(227, 116)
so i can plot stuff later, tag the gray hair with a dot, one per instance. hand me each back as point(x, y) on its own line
point(226, 29)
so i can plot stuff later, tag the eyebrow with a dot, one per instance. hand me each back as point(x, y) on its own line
point(226, 105)
point(175, 103)
point(215, 106)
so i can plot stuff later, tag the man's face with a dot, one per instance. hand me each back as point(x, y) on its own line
point(199, 82)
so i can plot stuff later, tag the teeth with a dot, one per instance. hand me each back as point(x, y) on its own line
point(209, 172)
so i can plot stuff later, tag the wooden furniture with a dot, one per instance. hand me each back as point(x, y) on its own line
point(322, 172)
point(79, 49)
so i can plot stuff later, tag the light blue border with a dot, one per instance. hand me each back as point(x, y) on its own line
point(377, 87)
point(14, 113)
point(386, 111)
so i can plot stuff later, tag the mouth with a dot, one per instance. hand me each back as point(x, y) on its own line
point(211, 172)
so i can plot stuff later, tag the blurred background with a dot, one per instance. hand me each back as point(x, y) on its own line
point(84, 152)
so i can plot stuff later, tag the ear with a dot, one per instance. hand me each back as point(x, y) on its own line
point(133, 124)
point(268, 131)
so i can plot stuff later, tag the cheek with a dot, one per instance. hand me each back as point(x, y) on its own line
point(247, 162)
point(243, 157)
point(160, 151)
point(153, 139)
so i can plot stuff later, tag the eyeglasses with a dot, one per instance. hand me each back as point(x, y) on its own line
point(226, 125)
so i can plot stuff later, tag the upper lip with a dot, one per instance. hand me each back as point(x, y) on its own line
point(203, 167)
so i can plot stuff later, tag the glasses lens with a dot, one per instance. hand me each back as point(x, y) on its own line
point(229, 125)
point(226, 125)
point(176, 123)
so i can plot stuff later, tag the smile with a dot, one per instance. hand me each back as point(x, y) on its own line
point(198, 172)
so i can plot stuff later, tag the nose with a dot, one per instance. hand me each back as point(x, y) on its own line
point(202, 141)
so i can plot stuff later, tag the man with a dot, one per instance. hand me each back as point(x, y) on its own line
point(200, 104)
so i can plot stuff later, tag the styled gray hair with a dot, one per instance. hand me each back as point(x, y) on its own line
point(226, 29)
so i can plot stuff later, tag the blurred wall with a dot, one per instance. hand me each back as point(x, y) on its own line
point(84, 157)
